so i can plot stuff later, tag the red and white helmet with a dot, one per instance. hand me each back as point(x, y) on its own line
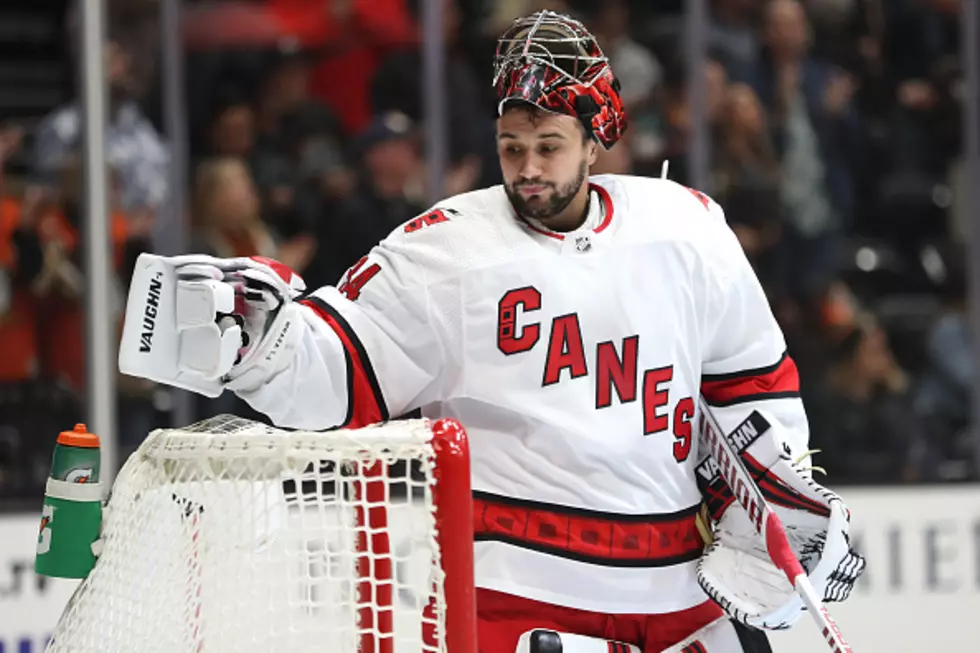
point(552, 61)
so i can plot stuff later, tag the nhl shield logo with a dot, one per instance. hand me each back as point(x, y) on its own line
point(583, 243)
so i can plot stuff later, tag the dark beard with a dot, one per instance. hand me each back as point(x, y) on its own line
point(560, 199)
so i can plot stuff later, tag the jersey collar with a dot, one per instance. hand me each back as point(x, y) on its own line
point(604, 207)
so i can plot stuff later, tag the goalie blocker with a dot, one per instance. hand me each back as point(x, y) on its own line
point(205, 324)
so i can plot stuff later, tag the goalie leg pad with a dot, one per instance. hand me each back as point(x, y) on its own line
point(724, 636)
point(541, 640)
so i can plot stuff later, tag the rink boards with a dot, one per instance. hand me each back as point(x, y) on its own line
point(921, 590)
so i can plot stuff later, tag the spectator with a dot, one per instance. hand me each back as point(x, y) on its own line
point(396, 87)
point(233, 135)
point(733, 34)
point(390, 183)
point(29, 403)
point(232, 131)
point(744, 153)
point(298, 146)
point(947, 383)
point(663, 133)
point(918, 33)
point(299, 165)
point(20, 263)
point(637, 69)
point(863, 420)
point(745, 180)
point(816, 132)
point(287, 111)
point(285, 92)
point(59, 285)
point(925, 137)
point(226, 212)
point(389, 192)
point(316, 178)
point(133, 146)
point(366, 32)
point(752, 210)
point(920, 119)
point(228, 221)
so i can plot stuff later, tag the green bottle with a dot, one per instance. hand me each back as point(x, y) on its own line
point(72, 512)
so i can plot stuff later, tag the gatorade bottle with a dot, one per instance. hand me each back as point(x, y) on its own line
point(72, 512)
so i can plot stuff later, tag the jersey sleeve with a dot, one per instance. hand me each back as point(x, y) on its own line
point(372, 347)
point(745, 366)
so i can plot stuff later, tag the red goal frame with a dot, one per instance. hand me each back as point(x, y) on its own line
point(452, 498)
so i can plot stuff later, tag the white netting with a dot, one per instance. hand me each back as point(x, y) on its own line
point(232, 536)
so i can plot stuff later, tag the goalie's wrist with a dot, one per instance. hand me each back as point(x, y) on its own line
point(271, 354)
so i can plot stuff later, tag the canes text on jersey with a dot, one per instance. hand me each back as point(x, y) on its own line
point(615, 368)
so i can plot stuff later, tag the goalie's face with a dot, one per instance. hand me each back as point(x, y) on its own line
point(545, 159)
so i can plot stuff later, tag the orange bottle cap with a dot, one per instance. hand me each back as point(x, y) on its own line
point(79, 437)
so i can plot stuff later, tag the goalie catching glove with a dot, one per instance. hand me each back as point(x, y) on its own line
point(203, 323)
point(736, 570)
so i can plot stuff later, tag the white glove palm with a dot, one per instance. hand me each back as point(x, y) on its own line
point(203, 323)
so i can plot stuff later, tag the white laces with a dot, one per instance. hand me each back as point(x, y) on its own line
point(798, 462)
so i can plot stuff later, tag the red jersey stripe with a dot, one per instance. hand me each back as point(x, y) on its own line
point(608, 539)
point(365, 403)
point(607, 205)
point(779, 380)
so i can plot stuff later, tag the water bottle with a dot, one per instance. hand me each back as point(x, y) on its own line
point(72, 512)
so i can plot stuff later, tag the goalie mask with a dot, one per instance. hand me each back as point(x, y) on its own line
point(551, 61)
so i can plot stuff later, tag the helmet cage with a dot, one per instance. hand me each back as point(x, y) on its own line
point(552, 61)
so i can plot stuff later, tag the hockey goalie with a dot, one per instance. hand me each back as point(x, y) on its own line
point(570, 323)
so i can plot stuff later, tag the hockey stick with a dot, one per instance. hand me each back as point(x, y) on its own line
point(767, 524)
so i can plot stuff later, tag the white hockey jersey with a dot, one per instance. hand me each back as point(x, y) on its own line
point(574, 361)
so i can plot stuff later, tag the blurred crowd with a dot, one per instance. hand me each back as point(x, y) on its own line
point(835, 149)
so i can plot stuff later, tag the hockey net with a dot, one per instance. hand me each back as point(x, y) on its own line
point(233, 536)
